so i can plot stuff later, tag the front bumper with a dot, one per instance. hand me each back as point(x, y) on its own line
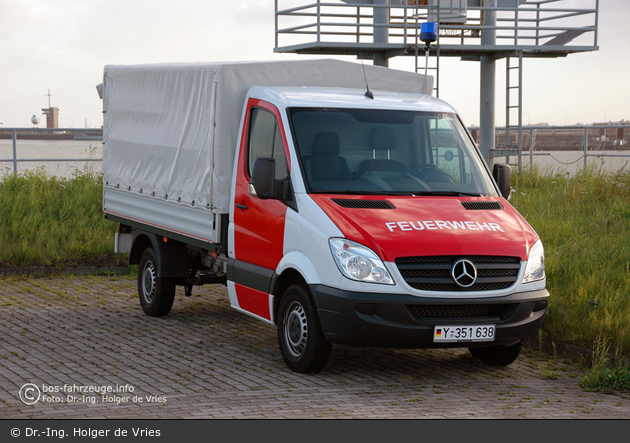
point(404, 321)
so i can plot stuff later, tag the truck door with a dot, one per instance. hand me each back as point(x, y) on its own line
point(258, 224)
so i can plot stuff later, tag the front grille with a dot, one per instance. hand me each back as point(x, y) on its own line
point(433, 273)
point(364, 204)
point(458, 311)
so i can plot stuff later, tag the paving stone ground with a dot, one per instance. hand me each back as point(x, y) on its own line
point(207, 361)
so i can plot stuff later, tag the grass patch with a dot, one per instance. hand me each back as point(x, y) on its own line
point(606, 376)
point(51, 221)
point(584, 223)
point(583, 220)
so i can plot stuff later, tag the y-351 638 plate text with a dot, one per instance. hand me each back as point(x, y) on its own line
point(463, 333)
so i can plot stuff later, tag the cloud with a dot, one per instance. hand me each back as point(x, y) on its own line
point(63, 45)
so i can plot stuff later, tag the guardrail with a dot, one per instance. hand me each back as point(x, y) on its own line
point(593, 140)
point(77, 134)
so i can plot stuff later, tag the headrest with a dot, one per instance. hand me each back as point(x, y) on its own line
point(383, 138)
point(326, 143)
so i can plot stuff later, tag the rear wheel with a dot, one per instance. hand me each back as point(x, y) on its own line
point(156, 294)
point(499, 355)
point(302, 343)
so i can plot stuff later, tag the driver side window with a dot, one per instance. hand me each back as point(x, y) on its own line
point(265, 140)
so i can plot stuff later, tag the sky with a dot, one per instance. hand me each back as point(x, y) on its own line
point(62, 46)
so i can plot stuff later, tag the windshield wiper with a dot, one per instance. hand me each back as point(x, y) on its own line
point(344, 192)
point(409, 193)
point(449, 193)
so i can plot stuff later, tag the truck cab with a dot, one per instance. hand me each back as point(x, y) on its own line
point(363, 221)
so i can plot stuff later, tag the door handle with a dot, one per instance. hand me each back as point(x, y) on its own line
point(242, 206)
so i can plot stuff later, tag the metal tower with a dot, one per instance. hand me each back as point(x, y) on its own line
point(477, 30)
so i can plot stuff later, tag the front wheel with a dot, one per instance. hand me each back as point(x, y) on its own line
point(499, 355)
point(302, 343)
point(156, 294)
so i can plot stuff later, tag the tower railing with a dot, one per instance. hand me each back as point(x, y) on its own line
point(538, 28)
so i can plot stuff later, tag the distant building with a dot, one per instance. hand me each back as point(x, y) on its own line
point(617, 137)
point(605, 136)
point(52, 117)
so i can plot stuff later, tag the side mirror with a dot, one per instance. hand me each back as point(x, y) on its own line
point(265, 186)
point(99, 89)
point(502, 174)
point(263, 177)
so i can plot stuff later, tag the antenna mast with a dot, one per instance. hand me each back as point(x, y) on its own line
point(368, 93)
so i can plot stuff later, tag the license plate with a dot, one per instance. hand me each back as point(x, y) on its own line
point(463, 333)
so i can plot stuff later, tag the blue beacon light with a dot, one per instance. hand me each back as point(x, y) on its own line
point(428, 32)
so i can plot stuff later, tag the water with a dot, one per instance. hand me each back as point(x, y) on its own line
point(54, 150)
point(560, 161)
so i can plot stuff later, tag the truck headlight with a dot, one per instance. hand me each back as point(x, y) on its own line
point(535, 269)
point(357, 262)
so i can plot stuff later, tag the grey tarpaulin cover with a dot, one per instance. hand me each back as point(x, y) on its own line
point(172, 129)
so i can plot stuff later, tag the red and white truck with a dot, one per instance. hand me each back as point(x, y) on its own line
point(336, 201)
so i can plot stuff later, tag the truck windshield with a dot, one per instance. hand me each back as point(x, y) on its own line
point(365, 151)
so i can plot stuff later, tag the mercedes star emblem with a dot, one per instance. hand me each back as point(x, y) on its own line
point(464, 273)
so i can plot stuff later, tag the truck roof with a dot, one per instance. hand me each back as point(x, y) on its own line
point(307, 96)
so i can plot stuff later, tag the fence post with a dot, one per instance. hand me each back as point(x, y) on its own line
point(319, 21)
point(276, 21)
point(14, 151)
point(405, 25)
point(585, 147)
point(516, 30)
point(531, 147)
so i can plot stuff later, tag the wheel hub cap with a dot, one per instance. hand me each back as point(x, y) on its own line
point(296, 329)
point(148, 282)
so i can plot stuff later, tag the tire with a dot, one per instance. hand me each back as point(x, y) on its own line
point(156, 294)
point(499, 355)
point(302, 343)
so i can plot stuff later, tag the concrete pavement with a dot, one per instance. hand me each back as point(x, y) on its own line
point(85, 349)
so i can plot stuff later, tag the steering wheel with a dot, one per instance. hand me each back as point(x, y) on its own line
point(431, 173)
point(379, 181)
